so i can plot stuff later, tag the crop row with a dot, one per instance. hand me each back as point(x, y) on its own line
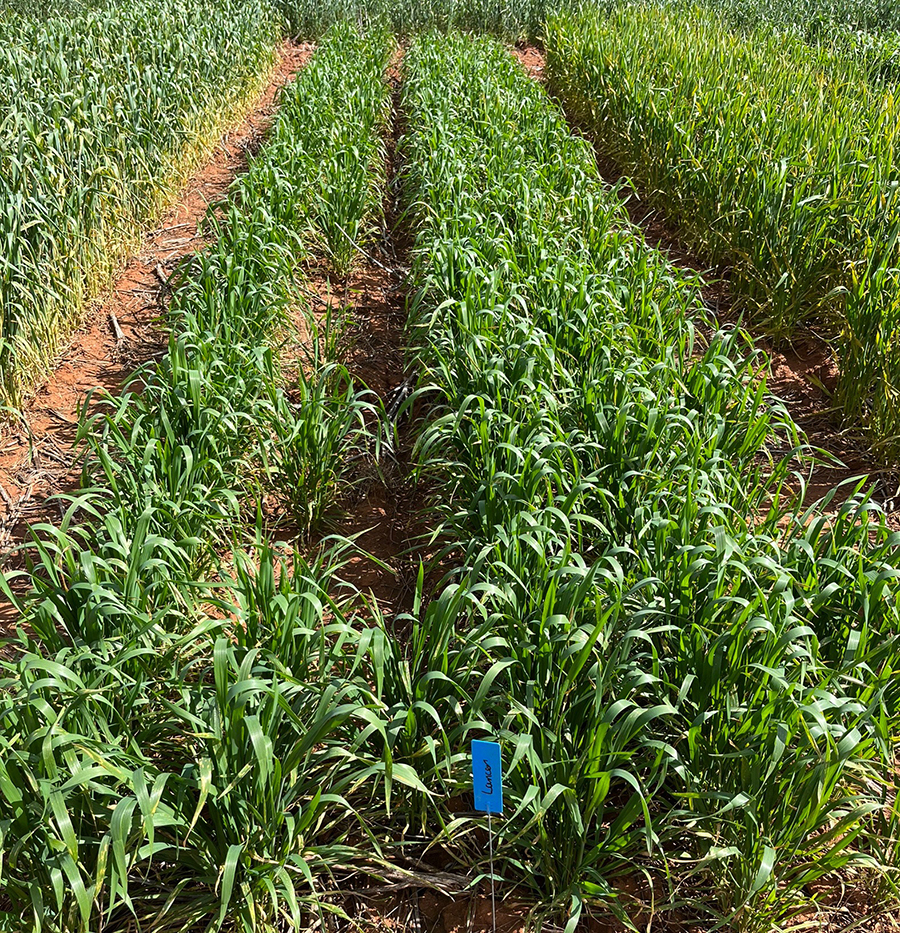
point(511, 19)
point(688, 674)
point(774, 159)
point(153, 758)
point(104, 112)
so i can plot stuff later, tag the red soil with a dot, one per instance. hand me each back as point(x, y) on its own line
point(532, 60)
point(379, 511)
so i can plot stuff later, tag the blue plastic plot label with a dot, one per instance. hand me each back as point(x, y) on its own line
point(487, 777)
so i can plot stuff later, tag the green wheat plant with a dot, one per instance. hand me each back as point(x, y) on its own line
point(691, 670)
point(105, 115)
point(773, 157)
point(162, 763)
point(679, 691)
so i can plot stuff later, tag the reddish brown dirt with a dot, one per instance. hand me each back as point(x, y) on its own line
point(426, 911)
point(532, 60)
point(802, 374)
point(435, 907)
point(36, 455)
point(383, 510)
point(380, 510)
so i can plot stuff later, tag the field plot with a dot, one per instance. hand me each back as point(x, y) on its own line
point(205, 725)
point(774, 157)
point(661, 669)
point(124, 328)
point(105, 822)
point(106, 112)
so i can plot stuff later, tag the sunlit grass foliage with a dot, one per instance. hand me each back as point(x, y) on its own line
point(688, 673)
point(773, 158)
point(512, 20)
point(105, 108)
point(692, 675)
point(161, 724)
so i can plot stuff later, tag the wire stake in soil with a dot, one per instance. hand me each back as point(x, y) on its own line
point(491, 864)
point(487, 780)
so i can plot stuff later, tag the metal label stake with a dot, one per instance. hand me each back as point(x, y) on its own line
point(487, 781)
point(491, 863)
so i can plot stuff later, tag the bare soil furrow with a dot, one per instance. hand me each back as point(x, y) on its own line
point(382, 510)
